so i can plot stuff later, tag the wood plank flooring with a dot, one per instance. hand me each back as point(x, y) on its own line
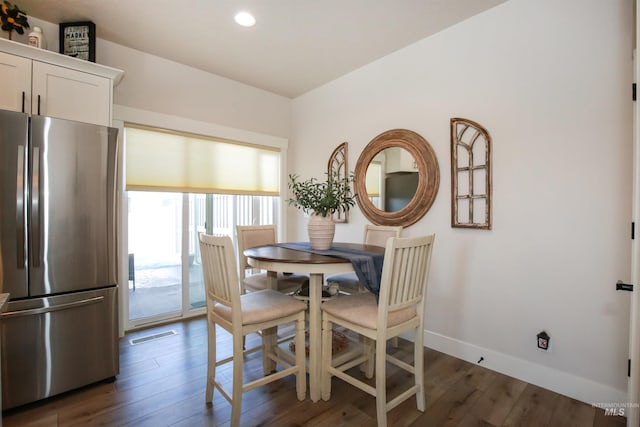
point(162, 382)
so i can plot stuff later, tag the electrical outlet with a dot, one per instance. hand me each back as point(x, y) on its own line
point(544, 341)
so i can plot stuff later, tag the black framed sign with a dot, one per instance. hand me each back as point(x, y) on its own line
point(78, 39)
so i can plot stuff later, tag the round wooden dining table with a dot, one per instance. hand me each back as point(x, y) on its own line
point(275, 259)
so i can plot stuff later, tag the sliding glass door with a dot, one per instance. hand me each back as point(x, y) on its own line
point(165, 277)
point(199, 216)
point(165, 272)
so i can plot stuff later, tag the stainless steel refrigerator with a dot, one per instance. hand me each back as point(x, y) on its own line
point(57, 256)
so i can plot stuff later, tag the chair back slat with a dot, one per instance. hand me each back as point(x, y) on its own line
point(219, 270)
point(405, 273)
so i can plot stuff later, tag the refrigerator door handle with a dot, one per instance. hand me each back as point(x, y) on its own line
point(42, 310)
point(35, 208)
point(20, 208)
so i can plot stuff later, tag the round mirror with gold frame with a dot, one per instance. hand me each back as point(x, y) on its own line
point(423, 164)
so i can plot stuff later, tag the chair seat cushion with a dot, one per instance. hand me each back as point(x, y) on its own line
point(262, 306)
point(348, 279)
point(362, 310)
point(287, 283)
point(348, 283)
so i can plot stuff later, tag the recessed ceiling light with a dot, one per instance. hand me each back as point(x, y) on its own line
point(245, 19)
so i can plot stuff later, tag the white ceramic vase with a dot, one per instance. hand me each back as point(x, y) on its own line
point(321, 230)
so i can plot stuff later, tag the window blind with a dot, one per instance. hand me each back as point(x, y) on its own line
point(162, 160)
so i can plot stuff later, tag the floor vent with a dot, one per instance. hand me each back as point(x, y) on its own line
point(152, 337)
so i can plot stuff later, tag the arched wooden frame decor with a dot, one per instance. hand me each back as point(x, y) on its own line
point(428, 177)
point(470, 175)
point(337, 167)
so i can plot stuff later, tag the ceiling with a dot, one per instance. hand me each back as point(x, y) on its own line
point(295, 46)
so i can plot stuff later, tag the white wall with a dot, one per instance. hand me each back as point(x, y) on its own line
point(162, 86)
point(550, 80)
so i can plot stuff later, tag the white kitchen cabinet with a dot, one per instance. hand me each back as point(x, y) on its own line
point(69, 94)
point(47, 83)
point(15, 82)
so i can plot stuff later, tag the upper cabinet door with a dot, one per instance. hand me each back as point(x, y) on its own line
point(68, 94)
point(15, 83)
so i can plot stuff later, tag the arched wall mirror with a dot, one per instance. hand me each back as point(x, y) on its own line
point(396, 178)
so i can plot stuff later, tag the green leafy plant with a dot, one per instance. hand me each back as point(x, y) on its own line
point(322, 197)
point(12, 18)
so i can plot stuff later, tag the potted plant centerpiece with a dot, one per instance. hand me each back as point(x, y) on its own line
point(321, 199)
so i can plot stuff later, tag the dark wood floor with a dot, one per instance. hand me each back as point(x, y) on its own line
point(161, 383)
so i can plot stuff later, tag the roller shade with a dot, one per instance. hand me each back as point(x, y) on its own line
point(160, 160)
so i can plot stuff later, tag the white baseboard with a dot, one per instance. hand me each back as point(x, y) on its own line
point(579, 388)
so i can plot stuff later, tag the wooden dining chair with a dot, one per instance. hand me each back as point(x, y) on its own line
point(250, 236)
point(400, 308)
point(376, 235)
point(244, 314)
